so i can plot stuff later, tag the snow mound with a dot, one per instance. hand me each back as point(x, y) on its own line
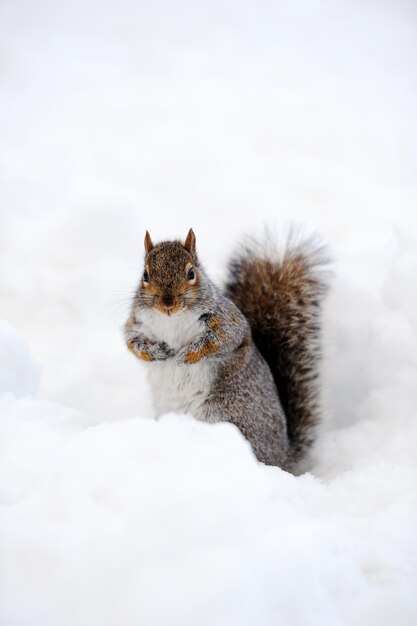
point(143, 522)
point(19, 374)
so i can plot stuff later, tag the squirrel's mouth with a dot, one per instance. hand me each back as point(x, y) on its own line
point(168, 309)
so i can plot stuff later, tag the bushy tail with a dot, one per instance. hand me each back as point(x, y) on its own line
point(281, 296)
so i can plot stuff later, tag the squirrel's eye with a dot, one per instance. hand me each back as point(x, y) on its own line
point(190, 274)
point(145, 277)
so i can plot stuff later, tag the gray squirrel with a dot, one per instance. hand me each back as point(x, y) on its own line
point(248, 355)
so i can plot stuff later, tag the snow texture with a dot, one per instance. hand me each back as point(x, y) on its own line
point(223, 116)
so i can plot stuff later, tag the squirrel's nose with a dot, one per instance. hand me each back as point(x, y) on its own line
point(168, 303)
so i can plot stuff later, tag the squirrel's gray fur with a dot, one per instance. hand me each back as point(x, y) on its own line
point(249, 355)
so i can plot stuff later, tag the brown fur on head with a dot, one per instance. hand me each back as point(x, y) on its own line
point(171, 277)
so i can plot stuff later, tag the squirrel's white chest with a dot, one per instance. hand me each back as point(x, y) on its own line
point(178, 388)
point(176, 330)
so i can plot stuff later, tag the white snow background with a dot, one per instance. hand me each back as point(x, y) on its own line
point(223, 116)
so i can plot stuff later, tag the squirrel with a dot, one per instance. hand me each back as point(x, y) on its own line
point(249, 354)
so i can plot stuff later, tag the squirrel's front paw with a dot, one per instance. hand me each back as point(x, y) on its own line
point(189, 354)
point(149, 350)
point(161, 351)
point(140, 349)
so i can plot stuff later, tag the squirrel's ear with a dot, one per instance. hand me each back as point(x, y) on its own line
point(190, 242)
point(148, 242)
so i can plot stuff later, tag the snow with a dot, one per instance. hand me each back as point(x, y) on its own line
point(18, 372)
point(117, 117)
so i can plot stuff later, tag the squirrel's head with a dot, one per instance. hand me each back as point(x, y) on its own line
point(171, 277)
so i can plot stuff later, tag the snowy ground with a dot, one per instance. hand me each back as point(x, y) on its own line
point(121, 116)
